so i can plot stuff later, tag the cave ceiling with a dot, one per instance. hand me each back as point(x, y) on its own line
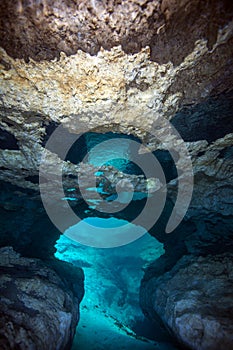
point(119, 66)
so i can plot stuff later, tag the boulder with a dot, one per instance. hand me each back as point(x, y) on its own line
point(194, 300)
point(38, 308)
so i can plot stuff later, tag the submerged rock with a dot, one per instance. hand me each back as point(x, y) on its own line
point(194, 300)
point(126, 67)
point(39, 309)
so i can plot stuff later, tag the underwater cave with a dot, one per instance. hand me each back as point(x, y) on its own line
point(116, 173)
point(111, 311)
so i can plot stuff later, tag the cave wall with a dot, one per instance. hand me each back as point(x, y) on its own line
point(39, 302)
point(123, 66)
point(193, 299)
point(128, 93)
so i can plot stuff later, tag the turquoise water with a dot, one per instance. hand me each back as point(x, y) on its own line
point(111, 317)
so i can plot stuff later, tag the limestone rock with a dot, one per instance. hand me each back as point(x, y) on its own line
point(194, 300)
point(123, 66)
point(42, 29)
point(38, 308)
point(110, 91)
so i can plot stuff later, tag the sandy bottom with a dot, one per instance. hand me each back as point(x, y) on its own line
point(110, 306)
point(99, 331)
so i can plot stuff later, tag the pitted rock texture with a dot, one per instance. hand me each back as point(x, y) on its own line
point(111, 91)
point(193, 299)
point(42, 29)
point(126, 66)
point(38, 308)
point(132, 95)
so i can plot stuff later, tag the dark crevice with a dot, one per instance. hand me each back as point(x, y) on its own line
point(209, 120)
point(200, 154)
point(226, 153)
point(71, 176)
point(9, 189)
point(49, 129)
point(33, 178)
point(153, 330)
point(8, 140)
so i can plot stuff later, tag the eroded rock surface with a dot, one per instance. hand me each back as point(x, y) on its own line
point(126, 66)
point(112, 91)
point(193, 299)
point(42, 29)
point(39, 309)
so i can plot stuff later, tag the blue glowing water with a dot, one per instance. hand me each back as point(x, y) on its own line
point(110, 308)
point(112, 280)
point(92, 146)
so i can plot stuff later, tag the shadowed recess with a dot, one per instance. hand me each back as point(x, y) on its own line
point(208, 120)
point(8, 140)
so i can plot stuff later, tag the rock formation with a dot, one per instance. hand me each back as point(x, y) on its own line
point(124, 66)
point(39, 308)
point(194, 300)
